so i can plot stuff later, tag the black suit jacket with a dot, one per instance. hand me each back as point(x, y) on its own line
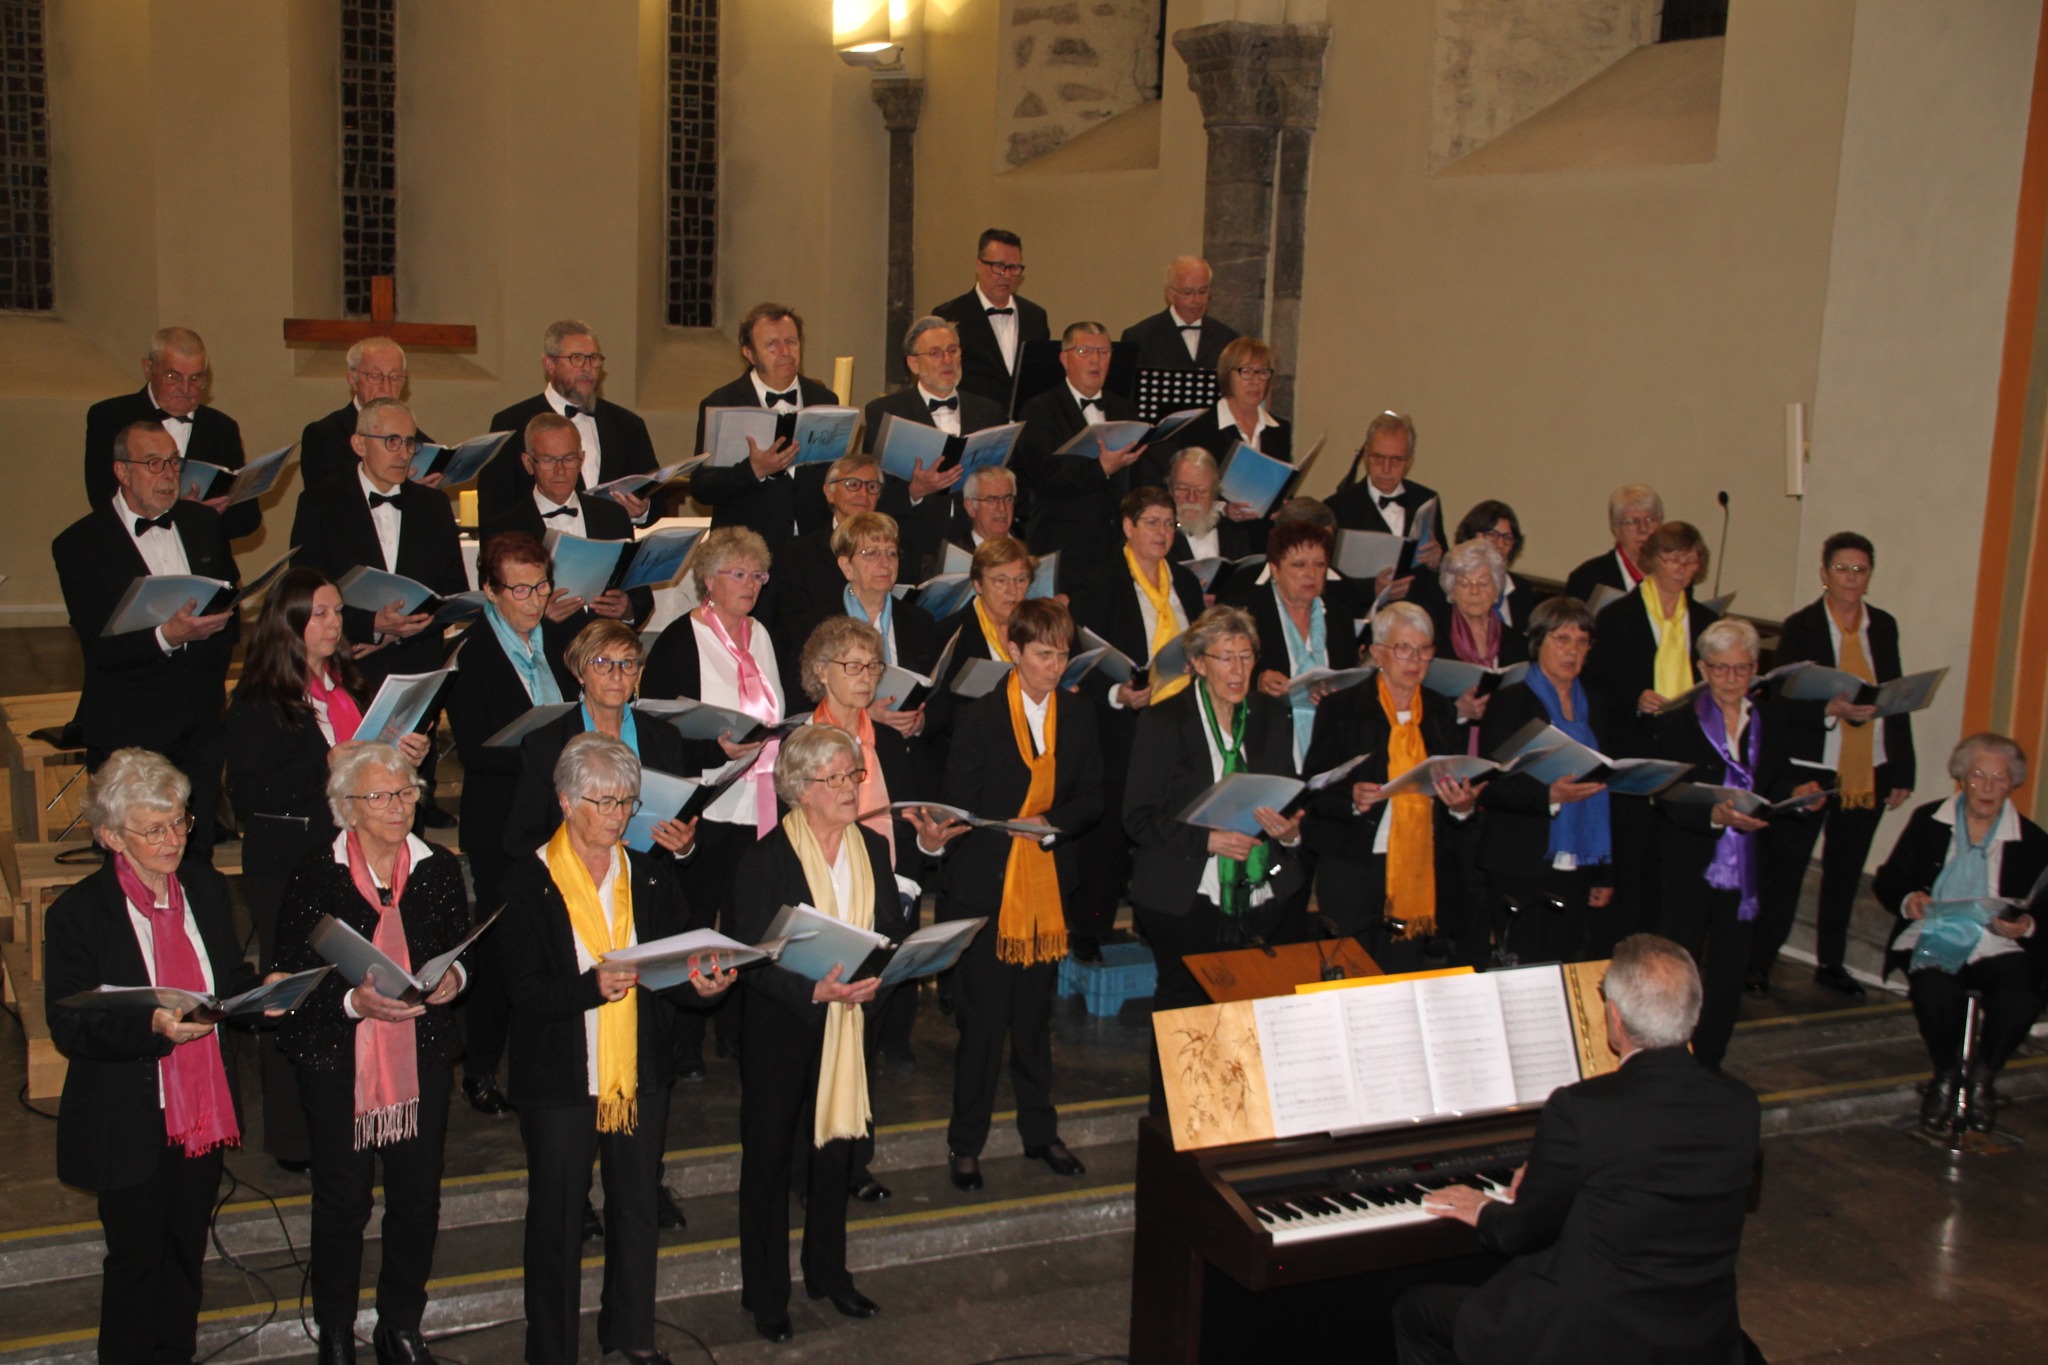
point(1687, 836)
point(277, 783)
point(1163, 346)
point(603, 519)
point(1623, 665)
point(1806, 636)
point(1234, 540)
point(110, 1129)
point(769, 877)
point(986, 775)
point(1352, 723)
point(1205, 431)
point(1357, 509)
point(483, 697)
point(1627, 1225)
point(1514, 635)
point(325, 455)
point(536, 814)
point(1169, 768)
point(624, 447)
point(1516, 837)
point(981, 357)
point(1075, 504)
point(1602, 570)
point(216, 439)
point(775, 508)
point(1340, 631)
point(334, 534)
point(133, 692)
point(920, 528)
point(1107, 603)
point(1922, 851)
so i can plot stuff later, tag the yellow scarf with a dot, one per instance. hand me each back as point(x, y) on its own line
point(1673, 673)
point(998, 648)
point(1411, 839)
point(1856, 764)
point(1164, 631)
point(842, 1107)
point(618, 1021)
point(1031, 926)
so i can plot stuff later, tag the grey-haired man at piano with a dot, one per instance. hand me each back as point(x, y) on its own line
point(1625, 1223)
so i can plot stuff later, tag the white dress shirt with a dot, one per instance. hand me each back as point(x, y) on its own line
point(1034, 717)
point(1003, 325)
point(1392, 513)
point(1207, 545)
point(1091, 408)
point(945, 419)
point(1264, 422)
point(181, 431)
point(162, 550)
point(145, 939)
point(385, 517)
point(607, 900)
point(586, 427)
point(1190, 339)
point(761, 392)
point(571, 524)
point(719, 684)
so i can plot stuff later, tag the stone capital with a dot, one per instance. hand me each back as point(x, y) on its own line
point(1262, 75)
point(901, 101)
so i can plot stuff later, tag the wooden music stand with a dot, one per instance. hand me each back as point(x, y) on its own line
point(1254, 973)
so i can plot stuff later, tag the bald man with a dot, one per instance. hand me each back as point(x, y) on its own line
point(1182, 336)
point(376, 369)
point(175, 378)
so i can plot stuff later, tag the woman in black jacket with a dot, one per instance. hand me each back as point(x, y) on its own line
point(374, 1073)
point(1971, 845)
point(299, 696)
point(592, 1052)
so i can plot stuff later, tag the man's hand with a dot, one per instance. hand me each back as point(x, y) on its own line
point(1273, 683)
point(1131, 697)
point(1649, 702)
point(1565, 791)
point(430, 480)
point(1240, 511)
point(1915, 905)
point(934, 834)
point(392, 620)
point(1461, 1202)
point(219, 504)
point(185, 627)
point(1113, 460)
point(772, 461)
point(415, 747)
point(1842, 709)
point(1430, 555)
point(1392, 588)
point(2018, 927)
point(925, 482)
point(1898, 796)
point(612, 604)
point(636, 507)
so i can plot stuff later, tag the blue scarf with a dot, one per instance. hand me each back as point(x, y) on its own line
point(629, 731)
point(1303, 655)
point(881, 623)
point(529, 661)
point(1581, 828)
point(1735, 855)
point(1946, 942)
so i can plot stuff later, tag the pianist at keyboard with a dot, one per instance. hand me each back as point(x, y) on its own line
point(1627, 1218)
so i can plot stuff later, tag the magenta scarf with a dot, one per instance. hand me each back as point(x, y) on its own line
point(344, 717)
point(1735, 854)
point(199, 1111)
point(757, 699)
point(387, 1053)
point(1469, 650)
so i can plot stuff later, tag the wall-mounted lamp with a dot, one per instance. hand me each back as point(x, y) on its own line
point(878, 57)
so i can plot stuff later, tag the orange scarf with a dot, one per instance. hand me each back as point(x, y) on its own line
point(1031, 927)
point(874, 788)
point(1411, 839)
point(1856, 763)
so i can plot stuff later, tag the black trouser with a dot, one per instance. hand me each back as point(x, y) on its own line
point(156, 1245)
point(1426, 1323)
point(1541, 931)
point(1174, 938)
point(1465, 902)
point(778, 1095)
point(1634, 830)
point(707, 885)
point(485, 1009)
point(284, 1121)
point(343, 1180)
point(561, 1143)
point(1104, 855)
point(2012, 1002)
point(994, 1000)
point(1850, 833)
point(1703, 920)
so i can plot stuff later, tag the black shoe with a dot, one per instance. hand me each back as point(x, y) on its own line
point(295, 1167)
point(1980, 1101)
point(593, 1226)
point(433, 817)
point(871, 1191)
point(1085, 950)
point(690, 1071)
point(338, 1347)
point(484, 1096)
point(400, 1346)
point(656, 1356)
point(774, 1328)
point(1056, 1157)
point(966, 1171)
point(1938, 1100)
point(1838, 979)
point(668, 1212)
point(1758, 984)
point(852, 1303)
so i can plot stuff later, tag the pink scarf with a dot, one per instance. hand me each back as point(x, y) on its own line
point(199, 1112)
point(757, 699)
point(874, 788)
point(387, 1054)
point(344, 717)
point(1468, 648)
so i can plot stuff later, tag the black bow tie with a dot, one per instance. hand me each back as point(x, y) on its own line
point(1002, 312)
point(1386, 500)
point(572, 411)
point(383, 499)
point(936, 403)
point(163, 416)
point(788, 396)
point(145, 524)
point(1191, 326)
point(559, 512)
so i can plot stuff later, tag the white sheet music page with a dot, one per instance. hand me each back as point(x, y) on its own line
point(1308, 1069)
point(1541, 1049)
point(1466, 1043)
point(1389, 1071)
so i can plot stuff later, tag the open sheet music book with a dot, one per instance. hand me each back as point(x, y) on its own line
point(1379, 1053)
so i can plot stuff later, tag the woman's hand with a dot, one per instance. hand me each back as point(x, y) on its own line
point(415, 746)
point(1727, 817)
point(614, 982)
point(1273, 683)
point(1283, 828)
point(447, 988)
point(1317, 691)
point(2017, 927)
point(713, 982)
point(676, 835)
point(369, 1003)
point(1565, 791)
point(1815, 797)
point(831, 991)
point(1226, 843)
point(1131, 697)
point(272, 980)
point(562, 606)
point(1649, 703)
point(391, 619)
point(177, 1030)
point(933, 834)
point(1842, 709)
point(1458, 797)
point(733, 750)
point(1915, 905)
point(1472, 706)
point(1364, 795)
point(909, 724)
point(1898, 796)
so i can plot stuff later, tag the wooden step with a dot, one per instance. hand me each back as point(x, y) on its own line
point(46, 1066)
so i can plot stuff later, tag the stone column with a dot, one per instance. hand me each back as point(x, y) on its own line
point(1297, 72)
point(901, 101)
point(1227, 72)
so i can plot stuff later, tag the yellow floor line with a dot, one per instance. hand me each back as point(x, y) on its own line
point(1823, 1017)
point(1810, 1092)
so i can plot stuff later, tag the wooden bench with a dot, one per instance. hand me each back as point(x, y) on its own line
point(45, 784)
point(46, 1065)
point(42, 879)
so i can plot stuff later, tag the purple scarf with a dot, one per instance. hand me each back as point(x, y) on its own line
point(1734, 865)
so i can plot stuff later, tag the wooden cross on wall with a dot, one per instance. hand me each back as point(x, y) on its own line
point(382, 322)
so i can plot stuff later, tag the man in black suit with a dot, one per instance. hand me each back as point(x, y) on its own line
point(762, 492)
point(807, 575)
point(1625, 1223)
point(995, 324)
point(1182, 336)
point(553, 458)
point(376, 369)
point(934, 398)
point(1386, 500)
point(988, 509)
point(175, 380)
point(1204, 531)
point(1633, 511)
point(159, 689)
point(615, 439)
point(1075, 497)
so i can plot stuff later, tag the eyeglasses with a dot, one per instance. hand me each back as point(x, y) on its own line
point(614, 805)
point(170, 832)
point(1003, 267)
point(379, 377)
point(1853, 570)
point(1408, 654)
point(157, 464)
point(404, 796)
point(1252, 372)
point(396, 443)
point(605, 667)
point(1729, 672)
point(838, 782)
point(1236, 660)
point(1639, 523)
point(938, 353)
point(999, 499)
point(173, 380)
point(1089, 350)
point(1689, 560)
point(879, 552)
point(860, 485)
point(859, 668)
point(1379, 461)
point(522, 591)
point(743, 575)
point(1007, 581)
point(1977, 777)
point(1193, 492)
point(1201, 292)
point(1154, 523)
point(1479, 580)
point(557, 461)
point(1498, 537)
point(583, 360)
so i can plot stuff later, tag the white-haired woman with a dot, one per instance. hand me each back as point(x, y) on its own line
point(1963, 847)
point(1712, 859)
point(148, 1103)
point(592, 1053)
point(374, 1074)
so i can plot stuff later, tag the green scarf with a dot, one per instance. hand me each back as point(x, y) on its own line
point(1235, 879)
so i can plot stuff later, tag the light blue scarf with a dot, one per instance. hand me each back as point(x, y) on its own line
point(1302, 655)
point(529, 660)
point(1946, 942)
point(629, 731)
point(883, 623)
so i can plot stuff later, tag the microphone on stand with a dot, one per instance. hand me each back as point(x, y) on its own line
point(1721, 554)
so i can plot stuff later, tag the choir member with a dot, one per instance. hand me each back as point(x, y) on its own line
point(1385, 499)
point(1871, 762)
point(1075, 497)
point(591, 1053)
point(374, 1073)
point(988, 510)
point(175, 379)
point(808, 586)
point(765, 493)
point(1304, 621)
point(148, 1103)
point(1244, 378)
point(1181, 336)
point(1548, 853)
point(1000, 573)
point(1384, 872)
point(1495, 523)
point(1633, 511)
point(1204, 526)
point(1712, 859)
point(376, 369)
point(554, 458)
point(933, 398)
point(1972, 845)
point(614, 438)
point(994, 321)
